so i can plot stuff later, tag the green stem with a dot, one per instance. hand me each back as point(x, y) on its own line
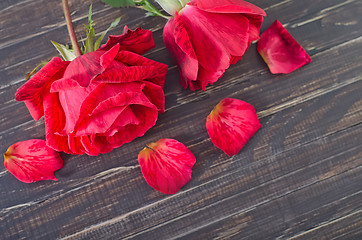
point(73, 37)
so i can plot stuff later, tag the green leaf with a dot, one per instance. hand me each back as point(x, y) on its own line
point(89, 42)
point(90, 15)
point(32, 72)
point(120, 3)
point(64, 51)
point(99, 40)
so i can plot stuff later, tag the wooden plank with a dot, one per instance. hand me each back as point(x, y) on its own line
point(233, 85)
point(341, 114)
point(288, 196)
point(262, 168)
point(314, 209)
point(16, 56)
point(298, 177)
point(346, 227)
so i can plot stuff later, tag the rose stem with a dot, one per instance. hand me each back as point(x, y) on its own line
point(73, 37)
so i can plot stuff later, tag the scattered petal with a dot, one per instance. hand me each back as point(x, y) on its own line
point(231, 124)
point(166, 165)
point(280, 50)
point(32, 160)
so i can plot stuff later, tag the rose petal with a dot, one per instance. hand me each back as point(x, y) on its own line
point(166, 165)
point(156, 95)
point(34, 90)
point(108, 57)
point(133, 59)
point(138, 41)
point(127, 117)
point(106, 113)
point(255, 22)
point(230, 30)
point(53, 110)
point(84, 68)
point(127, 74)
point(123, 99)
point(231, 124)
point(207, 77)
point(75, 144)
point(280, 50)
point(95, 145)
point(99, 93)
point(63, 84)
point(227, 6)
point(147, 118)
point(98, 123)
point(179, 46)
point(71, 102)
point(32, 161)
point(210, 51)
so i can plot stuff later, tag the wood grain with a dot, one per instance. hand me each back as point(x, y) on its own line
point(299, 177)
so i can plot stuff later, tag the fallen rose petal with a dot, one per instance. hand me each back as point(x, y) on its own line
point(32, 160)
point(166, 165)
point(231, 124)
point(280, 51)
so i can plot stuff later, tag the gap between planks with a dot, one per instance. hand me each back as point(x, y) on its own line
point(327, 223)
point(119, 218)
point(89, 181)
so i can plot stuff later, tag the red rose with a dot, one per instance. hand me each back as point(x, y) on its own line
point(101, 99)
point(205, 37)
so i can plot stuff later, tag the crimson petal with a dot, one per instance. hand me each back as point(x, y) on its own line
point(32, 160)
point(147, 118)
point(227, 6)
point(230, 30)
point(138, 41)
point(179, 46)
point(231, 124)
point(106, 113)
point(34, 90)
point(166, 165)
point(133, 59)
point(280, 50)
point(53, 110)
point(127, 74)
point(211, 53)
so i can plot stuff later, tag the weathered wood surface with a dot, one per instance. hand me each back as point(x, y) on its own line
point(299, 177)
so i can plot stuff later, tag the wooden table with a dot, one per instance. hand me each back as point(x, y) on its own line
point(299, 177)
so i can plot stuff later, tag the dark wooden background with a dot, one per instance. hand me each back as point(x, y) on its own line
point(299, 177)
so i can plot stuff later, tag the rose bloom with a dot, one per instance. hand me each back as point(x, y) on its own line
point(205, 37)
point(100, 100)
